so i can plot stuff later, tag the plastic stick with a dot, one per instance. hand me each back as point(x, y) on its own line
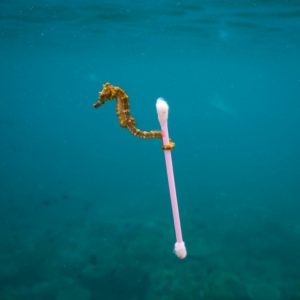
point(162, 111)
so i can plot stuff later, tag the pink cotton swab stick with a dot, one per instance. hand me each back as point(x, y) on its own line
point(162, 110)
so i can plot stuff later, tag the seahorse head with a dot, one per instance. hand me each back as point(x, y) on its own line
point(107, 91)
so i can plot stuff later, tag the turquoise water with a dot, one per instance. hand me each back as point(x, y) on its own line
point(85, 211)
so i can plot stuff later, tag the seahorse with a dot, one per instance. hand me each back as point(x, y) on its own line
point(110, 92)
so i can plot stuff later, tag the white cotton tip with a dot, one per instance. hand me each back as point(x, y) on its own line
point(180, 250)
point(162, 108)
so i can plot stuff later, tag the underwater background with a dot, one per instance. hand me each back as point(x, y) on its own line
point(84, 205)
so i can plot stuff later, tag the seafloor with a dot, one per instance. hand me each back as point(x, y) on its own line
point(238, 258)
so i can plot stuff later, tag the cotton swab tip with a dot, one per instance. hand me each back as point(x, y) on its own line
point(162, 108)
point(180, 250)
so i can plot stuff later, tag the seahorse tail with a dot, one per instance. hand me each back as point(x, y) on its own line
point(144, 134)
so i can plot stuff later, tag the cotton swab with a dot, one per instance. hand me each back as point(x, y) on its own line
point(162, 111)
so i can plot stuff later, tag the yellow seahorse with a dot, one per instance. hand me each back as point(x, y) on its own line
point(109, 92)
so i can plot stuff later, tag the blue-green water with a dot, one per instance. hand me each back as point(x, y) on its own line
point(85, 211)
